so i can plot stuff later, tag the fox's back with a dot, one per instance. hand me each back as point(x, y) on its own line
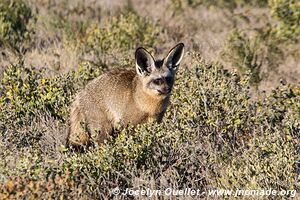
point(112, 92)
point(113, 85)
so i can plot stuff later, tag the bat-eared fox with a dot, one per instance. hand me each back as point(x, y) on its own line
point(124, 96)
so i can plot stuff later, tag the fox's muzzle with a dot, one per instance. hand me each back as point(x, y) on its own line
point(165, 90)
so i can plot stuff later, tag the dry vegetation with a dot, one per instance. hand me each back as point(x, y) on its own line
point(215, 133)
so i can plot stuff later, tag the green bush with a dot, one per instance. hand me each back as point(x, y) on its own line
point(287, 12)
point(125, 32)
point(282, 37)
point(268, 45)
point(213, 136)
point(14, 20)
point(25, 91)
point(244, 54)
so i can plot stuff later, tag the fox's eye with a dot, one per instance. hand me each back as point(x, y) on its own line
point(158, 81)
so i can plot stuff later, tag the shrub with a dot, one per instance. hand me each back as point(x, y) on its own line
point(25, 91)
point(213, 136)
point(281, 38)
point(287, 12)
point(243, 53)
point(14, 20)
point(35, 108)
point(268, 45)
point(123, 33)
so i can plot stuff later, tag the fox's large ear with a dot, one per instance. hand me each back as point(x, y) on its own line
point(175, 56)
point(144, 62)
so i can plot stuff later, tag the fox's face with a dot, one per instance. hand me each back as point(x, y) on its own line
point(158, 76)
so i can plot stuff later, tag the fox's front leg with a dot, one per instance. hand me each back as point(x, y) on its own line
point(157, 118)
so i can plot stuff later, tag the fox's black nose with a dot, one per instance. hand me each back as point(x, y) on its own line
point(165, 90)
